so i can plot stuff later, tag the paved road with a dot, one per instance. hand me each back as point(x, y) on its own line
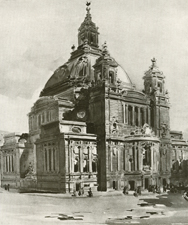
point(107, 208)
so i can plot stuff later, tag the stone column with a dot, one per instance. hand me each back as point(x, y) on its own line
point(139, 157)
point(135, 156)
point(139, 124)
point(149, 116)
point(133, 115)
point(111, 159)
point(10, 159)
point(52, 159)
point(2, 160)
point(8, 163)
point(144, 111)
point(48, 159)
point(126, 158)
point(151, 157)
point(175, 153)
point(90, 159)
point(81, 159)
point(72, 160)
point(119, 159)
point(6, 159)
point(157, 131)
point(124, 113)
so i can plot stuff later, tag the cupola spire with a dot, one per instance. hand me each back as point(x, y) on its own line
point(88, 30)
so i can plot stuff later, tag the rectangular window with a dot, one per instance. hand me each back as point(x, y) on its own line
point(39, 120)
point(47, 116)
point(45, 158)
point(76, 158)
point(119, 159)
point(49, 157)
point(12, 163)
point(53, 159)
point(9, 158)
point(43, 117)
point(5, 160)
point(9, 164)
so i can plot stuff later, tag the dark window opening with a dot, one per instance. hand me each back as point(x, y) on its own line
point(132, 185)
point(160, 87)
point(114, 185)
point(136, 116)
point(76, 164)
point(94, 166)
point(130, 115)
point(111, 77)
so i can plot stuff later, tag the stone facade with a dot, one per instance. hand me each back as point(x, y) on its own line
point(91, 127)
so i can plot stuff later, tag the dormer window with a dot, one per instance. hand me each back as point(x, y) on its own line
point(111, 77)
point(160, 87)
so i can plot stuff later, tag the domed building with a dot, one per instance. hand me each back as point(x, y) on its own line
point(91, 128)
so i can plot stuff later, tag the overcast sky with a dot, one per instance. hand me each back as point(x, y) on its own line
point(36, 37)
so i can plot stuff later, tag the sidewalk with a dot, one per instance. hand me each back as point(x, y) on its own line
point(109, 193)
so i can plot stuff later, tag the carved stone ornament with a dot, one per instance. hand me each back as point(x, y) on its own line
point(81, 114)
point(147, 130)
point(164, 129)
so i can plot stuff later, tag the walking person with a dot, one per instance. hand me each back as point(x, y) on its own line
point(90, 194)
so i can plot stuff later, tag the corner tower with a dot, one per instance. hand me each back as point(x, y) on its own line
point(154, 87)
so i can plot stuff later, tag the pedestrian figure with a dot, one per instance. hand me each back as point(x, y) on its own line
point(82, 191)
point(90, 194)
point(135, 193)
point(79, 192)
point(8, 187)
point(74, 193)
point(5, 187)
point(185, 195)
point(139, 190)
point(164, 188)
point(125, 190)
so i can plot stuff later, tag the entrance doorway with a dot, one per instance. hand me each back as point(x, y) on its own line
point(114, 185)
point(132, 185)
point(164, 182)
point(146, 183)
point(78, 186)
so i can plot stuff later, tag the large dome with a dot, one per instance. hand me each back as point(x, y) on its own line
point(82, 67)
point(78, 67)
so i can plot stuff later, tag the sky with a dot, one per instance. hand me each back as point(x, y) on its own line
point(36, 38)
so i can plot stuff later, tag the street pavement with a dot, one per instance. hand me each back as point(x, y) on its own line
point(103, 208)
